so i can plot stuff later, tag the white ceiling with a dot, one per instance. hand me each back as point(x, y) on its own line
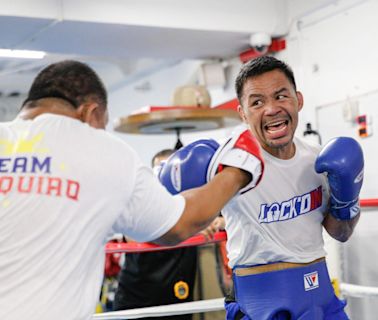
point(129, 36)
point(125, 38)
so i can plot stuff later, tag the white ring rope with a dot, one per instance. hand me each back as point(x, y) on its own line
point(167, 310)
point(353, 290)
point(347, 289)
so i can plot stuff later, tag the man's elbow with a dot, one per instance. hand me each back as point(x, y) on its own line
point(342, 235)
point(340, 230)
point(169, 240)
point(342, 238)
point(174, 236)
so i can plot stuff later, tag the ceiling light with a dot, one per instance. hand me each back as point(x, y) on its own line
point(25, 54)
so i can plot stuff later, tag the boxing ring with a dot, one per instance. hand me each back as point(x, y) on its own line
point(346, 289)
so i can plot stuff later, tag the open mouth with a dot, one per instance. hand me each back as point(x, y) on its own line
point(276, 129)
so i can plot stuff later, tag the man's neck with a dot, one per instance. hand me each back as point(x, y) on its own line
point(47, 105)
point(283, 153)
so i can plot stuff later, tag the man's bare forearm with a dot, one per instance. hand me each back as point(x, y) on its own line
point(203, 204)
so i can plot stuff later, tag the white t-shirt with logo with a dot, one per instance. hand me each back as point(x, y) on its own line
point(281, 219)
point(63, 187)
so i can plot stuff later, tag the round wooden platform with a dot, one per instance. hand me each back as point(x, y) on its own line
point(174, 119)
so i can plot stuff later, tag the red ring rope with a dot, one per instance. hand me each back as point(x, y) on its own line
point(196, 240)
point(369, 203)
point(130, 247)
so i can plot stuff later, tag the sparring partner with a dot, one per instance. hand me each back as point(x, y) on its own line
point(275, 244)
point(65, 183)
point(157, 278)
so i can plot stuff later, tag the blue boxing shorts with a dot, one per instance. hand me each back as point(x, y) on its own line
point(295, 293)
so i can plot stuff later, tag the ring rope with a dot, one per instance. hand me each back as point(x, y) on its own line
point(209, 305)
point(196, 240)
point(353, 290)
point(130, 247)
point(369, 202)
point(347, 289)
point(166, 310)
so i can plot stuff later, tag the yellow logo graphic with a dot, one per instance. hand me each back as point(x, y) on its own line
point(22, 145)
point(181, 289)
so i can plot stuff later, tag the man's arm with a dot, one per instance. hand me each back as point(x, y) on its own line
point(234, 167)
point(340, 230)
point(203, 204)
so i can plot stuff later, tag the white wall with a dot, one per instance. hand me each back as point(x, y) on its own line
point(336, 57)
point(10, 106)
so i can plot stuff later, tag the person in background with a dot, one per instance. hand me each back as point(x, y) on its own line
point(217, 225)
point(157, 278)
point(113, 262)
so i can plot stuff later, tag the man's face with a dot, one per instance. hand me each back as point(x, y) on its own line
point(270, 107)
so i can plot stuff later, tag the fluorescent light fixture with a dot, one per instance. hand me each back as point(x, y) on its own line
point(25, 54)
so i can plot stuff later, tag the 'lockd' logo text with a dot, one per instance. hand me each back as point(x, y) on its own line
point(291, 208)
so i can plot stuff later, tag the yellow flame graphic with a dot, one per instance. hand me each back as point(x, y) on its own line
point(22, 145)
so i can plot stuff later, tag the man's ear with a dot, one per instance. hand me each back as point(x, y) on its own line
point(300, 100)
point(242, 114)
point(91, 114)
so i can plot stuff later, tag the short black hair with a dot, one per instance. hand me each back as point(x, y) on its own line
point(72, 81)
point(259, 66)
point(163, 153)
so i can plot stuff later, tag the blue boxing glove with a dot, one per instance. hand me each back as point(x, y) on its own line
point(342, 158)
point(187, 167)
point(197, 163)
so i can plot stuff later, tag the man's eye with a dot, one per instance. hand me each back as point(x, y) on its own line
point(257, 103)
point(281, 96)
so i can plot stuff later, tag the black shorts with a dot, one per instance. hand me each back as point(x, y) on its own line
point(157, 278)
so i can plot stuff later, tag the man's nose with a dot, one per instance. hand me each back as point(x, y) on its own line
point(272, 107)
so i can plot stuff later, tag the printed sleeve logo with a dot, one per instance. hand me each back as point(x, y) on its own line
point(311, 281)
point(291, 208)
point(26, 169)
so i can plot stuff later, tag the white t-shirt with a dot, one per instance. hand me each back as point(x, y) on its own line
point(63, 187)
point(279, 220)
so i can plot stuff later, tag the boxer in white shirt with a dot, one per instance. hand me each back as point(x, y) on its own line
point(275, 244)
point(65, 183)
